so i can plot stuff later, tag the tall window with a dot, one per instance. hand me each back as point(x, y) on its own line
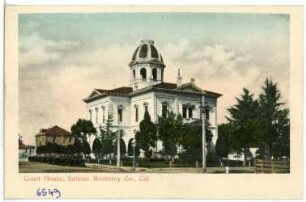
point(146, 108)
point(143, 73)
point(97, 114)
point(120, 114)
point(207, 114)
point(103, 114)
point(190, 112)
point(134, 73)
point(164, 109)
point(90, 115)
point(154, 74)
point(184, 111)
point(136, 114)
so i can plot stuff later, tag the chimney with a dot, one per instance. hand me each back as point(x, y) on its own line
point(192, 80)
point(179, 80)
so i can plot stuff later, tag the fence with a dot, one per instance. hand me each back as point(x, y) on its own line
point(271, 166)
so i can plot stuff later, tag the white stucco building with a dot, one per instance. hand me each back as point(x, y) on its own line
point(147, 90)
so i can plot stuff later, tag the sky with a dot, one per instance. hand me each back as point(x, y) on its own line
point(63, 57)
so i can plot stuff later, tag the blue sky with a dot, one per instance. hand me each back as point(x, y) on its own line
point(62, 57)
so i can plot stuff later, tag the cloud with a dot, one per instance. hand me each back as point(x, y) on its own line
point(36, 51)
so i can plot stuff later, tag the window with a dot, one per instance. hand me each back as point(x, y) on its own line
point(184, 111)
point(143, 73)
point(154, 74)
point(164, 109)
point(90, 115)
point(134, 73)
point(97, 114)
point(136, 114)
point(146, 108)
point(103, 114)
point(190, 112)
point(120, 114)
point(207, 114)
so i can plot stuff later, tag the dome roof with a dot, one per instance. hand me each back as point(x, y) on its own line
point(147, 53)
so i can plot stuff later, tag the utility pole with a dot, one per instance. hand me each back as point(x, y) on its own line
point(118, 139)
point(203, 135)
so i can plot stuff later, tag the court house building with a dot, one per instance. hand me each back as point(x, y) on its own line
point(147, 91)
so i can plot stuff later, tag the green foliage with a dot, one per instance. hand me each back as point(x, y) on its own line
point(107, 136)
point(262, 123)
point(122, 147)
point(97, 146)
point(222, 144)
point(192, 142)
point(82, 127)
point(130, 149)
point(244, 122)
point(274, 133)
point(86, 148)
point(171, 131)
point(146, 136)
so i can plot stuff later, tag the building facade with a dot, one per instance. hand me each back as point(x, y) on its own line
point(148, 91)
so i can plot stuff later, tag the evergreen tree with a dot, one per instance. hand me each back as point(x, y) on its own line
point(146, 136)
point(244, 122)
point(275, 125)
point(108, 137)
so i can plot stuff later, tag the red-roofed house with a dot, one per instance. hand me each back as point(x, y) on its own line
point(55, 135)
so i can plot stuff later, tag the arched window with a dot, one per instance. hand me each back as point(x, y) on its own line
point(143, 73)
point(154, 74)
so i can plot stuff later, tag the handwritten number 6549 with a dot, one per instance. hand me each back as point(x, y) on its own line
point(51, 192)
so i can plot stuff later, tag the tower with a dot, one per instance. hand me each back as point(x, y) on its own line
point(147, 66)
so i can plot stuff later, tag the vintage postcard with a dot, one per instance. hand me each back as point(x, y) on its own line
point(191, 102)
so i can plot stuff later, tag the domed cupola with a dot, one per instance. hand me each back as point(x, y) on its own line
point(146, 52)
point(147, 66)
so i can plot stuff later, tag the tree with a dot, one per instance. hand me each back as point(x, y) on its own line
point(274, 122)
point(222, 144)
point(191, 140)
point(130, 149)
point(108, 137)
point(86, 148)
point(97, 148)
point(146, 136)
point(82, 127)
point(122, 147)
point(170, 130)
point(244, 122)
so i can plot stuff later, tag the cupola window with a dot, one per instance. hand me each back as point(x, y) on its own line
point(154, 74)
point(143, 73)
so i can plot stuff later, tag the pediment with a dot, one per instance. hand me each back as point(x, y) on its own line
point(94, 93)
point(190, 88)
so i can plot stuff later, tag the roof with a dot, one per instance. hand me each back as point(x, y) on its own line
point(21, 145)
point(56, 131)
point(116, 91)
point(146, 52)
point(187, 88)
